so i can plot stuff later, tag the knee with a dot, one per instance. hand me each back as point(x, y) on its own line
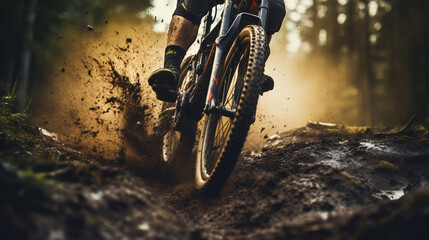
point(191, 10)
point(276, 14)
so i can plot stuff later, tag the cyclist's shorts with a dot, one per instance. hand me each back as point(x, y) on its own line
point(195, 10)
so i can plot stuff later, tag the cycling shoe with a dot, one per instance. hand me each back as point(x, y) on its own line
point(163, 82)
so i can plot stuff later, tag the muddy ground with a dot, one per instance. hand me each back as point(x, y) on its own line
point(304, 184)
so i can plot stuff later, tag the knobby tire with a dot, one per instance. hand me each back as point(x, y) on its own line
point(250, 42)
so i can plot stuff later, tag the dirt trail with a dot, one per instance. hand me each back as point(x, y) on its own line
point(305, 184)
point(305, 180)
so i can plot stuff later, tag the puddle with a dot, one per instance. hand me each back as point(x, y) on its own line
point(334, 157)
point(380, 147)
point(370, 145)
point(333, 163)
point(391, 194)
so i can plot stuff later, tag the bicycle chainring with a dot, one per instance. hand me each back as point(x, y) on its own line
point(182, 105)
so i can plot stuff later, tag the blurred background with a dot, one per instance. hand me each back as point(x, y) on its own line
point(358, 62)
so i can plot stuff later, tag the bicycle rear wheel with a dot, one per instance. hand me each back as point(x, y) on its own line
point(177, 144)
point(222, 137)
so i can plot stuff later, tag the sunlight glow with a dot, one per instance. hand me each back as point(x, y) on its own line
point(373, 8)
point(162, 12)
point(306, 47)
point(377, 26)
point(342, 18)
point(373, 39)
point(301, 9)
point(291, 4)
point(323, 37)
point(294, 16)
point(290, 25)
point(343, 2)
point(294, 41)
point(321, 11)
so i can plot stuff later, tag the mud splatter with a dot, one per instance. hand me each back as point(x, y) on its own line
point(96, 104)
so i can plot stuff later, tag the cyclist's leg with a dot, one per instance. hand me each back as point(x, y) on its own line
point(182, 33)
point(276, 15)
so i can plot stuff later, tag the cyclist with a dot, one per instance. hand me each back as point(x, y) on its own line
point(183, 32)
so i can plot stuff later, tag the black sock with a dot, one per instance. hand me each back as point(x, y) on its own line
point(173, 57)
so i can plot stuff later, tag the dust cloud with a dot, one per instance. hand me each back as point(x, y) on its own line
point(305, 89)
point(98, 94)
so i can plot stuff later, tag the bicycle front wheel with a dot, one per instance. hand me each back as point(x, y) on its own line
point(222, 137)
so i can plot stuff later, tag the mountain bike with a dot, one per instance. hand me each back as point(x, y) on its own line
point(218, 91)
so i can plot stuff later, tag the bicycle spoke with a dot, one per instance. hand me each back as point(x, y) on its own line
point(224, 129)
point(219, 123)
point(216, 154)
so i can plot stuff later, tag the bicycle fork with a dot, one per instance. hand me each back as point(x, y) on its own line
point(227, 35)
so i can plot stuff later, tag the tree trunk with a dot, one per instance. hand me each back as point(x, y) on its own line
point(333, 31)
point(314, 35)
point(426, 69)
point(368, 79)
point(26, 54)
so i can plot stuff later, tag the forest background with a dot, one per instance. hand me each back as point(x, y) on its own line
point(376, 51)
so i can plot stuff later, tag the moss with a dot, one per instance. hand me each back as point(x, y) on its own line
point(355, 129)
point(12, 124)
point(422, 130)
point(387, 166)
point(35, 180)
point(350, 177)
point(120, 176)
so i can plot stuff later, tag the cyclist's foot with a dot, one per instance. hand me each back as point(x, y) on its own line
point(163, 81)
point(267, 84)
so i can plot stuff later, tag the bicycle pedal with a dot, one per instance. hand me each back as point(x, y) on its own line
point(166, 95)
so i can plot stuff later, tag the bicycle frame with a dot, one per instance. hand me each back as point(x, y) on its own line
point(227, 35)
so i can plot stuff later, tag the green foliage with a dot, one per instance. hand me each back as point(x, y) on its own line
point(387, 166)
point(350, 177)
point(12, 125)
point(36, 181)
